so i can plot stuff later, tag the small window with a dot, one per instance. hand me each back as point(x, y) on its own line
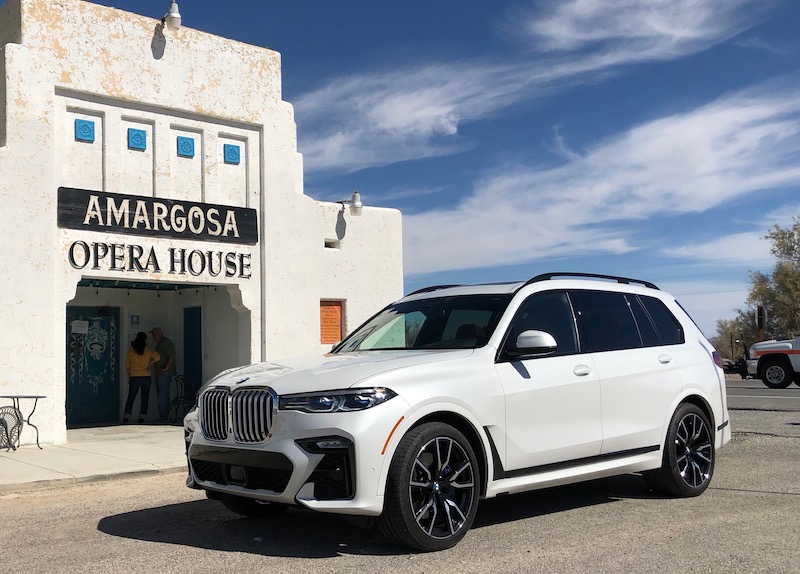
point(605, 321)
point(549, 311)
point(669, 328)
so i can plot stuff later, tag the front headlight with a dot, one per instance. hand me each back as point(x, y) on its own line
point(345, 400)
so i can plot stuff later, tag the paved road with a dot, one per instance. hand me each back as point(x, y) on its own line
point(748, 521)
point(753, 394)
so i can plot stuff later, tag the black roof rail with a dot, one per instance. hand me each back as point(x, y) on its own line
point(431, 288)
point(625, 280)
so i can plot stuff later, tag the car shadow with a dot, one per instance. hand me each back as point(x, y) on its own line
point(302, 533)
point(503, 509)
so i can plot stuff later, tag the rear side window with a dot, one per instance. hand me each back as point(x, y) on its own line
point(605, 321)
point(669, 328)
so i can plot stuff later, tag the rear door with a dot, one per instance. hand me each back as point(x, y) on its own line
point(639, 375)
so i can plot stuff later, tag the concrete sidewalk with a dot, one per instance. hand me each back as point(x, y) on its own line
point(93, 454)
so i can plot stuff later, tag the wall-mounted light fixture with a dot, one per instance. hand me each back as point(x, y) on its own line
point(172, 19)
point(354, 203)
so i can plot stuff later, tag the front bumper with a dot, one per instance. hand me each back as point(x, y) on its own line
point(330, 462)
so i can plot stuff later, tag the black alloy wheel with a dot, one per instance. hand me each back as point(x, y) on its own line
point(689, 456)
point(432, 490)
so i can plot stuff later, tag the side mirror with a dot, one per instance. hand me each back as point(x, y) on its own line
point(533, 344)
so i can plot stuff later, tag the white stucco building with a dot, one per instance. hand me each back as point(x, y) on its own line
point(151, 177)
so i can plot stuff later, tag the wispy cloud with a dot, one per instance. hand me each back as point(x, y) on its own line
point(708, 301)
point(686, 163)
point(748, 249)
point(757, 43)
point(378, 118)
point(635, 30)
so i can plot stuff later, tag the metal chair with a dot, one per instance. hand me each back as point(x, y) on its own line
point(180, 405)
point(10, 427)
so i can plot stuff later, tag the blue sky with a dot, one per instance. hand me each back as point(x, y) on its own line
point(654, 139)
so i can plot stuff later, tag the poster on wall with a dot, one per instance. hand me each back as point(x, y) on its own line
point(80, 327)
point(134, 321)
point(330, 322)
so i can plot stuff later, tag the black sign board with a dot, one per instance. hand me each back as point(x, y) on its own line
point(138, 215)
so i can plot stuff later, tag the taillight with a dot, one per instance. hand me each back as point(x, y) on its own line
point(717, 359)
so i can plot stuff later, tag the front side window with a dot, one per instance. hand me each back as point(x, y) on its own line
point(549, 311)
point(457, 322)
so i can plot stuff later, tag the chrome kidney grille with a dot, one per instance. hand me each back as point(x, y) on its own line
point(246, 414)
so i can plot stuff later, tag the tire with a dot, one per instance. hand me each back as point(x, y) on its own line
point(252, 508)
point(432, 489)
point(777, 374)
point(689, 456)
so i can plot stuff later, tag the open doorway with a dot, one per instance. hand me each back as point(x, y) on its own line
point(104, 317)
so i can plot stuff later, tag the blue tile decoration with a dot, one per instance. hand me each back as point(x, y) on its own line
point(185, 147)
point(232, 154)
point(84, 131)
point(137, 139)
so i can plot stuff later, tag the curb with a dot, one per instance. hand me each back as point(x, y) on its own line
point(72, 481)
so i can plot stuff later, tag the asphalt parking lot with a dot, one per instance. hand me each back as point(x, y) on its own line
point(747, 521)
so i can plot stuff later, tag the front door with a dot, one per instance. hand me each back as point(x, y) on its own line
point(553, 412)
point(92, 365)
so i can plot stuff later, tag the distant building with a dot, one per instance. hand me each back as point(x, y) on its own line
point(151, 177)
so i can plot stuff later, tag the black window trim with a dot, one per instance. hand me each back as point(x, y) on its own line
point(628, 297)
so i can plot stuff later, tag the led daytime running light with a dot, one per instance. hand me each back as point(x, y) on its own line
point(347, 400)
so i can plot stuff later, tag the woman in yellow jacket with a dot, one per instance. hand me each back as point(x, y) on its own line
point(138, 362)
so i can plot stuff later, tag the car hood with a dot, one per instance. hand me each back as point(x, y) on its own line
point(774, 345)
point(329, 372)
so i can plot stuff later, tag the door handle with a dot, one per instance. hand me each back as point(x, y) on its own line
point(664, 359)
point(582, 370)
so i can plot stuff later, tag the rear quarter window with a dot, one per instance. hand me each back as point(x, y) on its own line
point(669, 329)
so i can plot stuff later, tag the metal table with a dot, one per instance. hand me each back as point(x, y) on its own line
point(21, 419)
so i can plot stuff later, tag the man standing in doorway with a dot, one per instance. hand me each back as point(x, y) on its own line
point(165, 370)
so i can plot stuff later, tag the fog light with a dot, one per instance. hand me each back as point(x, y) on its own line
point(324, 444)
point(332, 443)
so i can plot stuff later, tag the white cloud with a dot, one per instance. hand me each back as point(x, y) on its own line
point(740, 249)
point(707, 302)
point(379, 118)
point(635, 29)
point(747, 249)
point(686, 163)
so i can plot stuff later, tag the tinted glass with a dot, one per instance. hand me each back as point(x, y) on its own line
point(647, 330)
point(550, 312)
point(605, 321)
point(668, 327)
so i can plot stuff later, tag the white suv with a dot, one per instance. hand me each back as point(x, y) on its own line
point(458, 393)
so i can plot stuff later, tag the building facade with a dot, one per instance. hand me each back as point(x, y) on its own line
point(151, 177)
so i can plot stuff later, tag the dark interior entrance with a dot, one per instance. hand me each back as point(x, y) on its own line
point(192, 351)
point(92, 369)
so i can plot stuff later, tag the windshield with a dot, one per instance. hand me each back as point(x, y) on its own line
point(459, 322)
